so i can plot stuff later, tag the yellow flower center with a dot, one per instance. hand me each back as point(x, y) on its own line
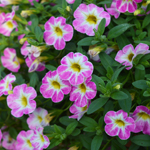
point(9, 139)
point(40, 119)
point(24, 101)
point(144, 115)
point(7, 84)
point(82, 87)
point(84, 108)
point(56, 85)
point(120, 123)
point(42, 138)
point(29, 143)
point(9, 24)
point(76, 67)
point(130, 56)
point(58, 31)
point(92, 19)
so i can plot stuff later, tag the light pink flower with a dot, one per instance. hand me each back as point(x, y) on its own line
point(57, 32)
point(128, 53)
point(35, 119)
point(81, 93)
point(38, 140)
point(119, 124)
point(88, 17)
point(5, 84)
point(127, 5)
point(3, 3)
point(113, 9)
point(34, 64)
point(31, 1)
point(21, 101)
point(23, 140)
point(70, 1)
point(74, 68)
point(9, 60)
point(53, 87)
point(8, 142)
point(78, 112)
point(141, 116)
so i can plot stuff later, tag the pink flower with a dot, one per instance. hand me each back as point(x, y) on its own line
point(113, 9)
point(53, 87)
point(83, 92)
point(38, 140)
point(9, 60)
point(78, 112)
point(31, 1)
point(127, 5)
point(21, 101)
point(57, 32)
point(5, 84)
point(128, 53)
point(119, 124)
point(3, 3)
point(1, 135)
point(141, 116)
point(35, 119)
point(74, 68)
point(23, 140)
point(70, 1)
point(88, 17)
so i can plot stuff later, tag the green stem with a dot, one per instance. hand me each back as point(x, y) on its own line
point(126, 79)
point(107, 143)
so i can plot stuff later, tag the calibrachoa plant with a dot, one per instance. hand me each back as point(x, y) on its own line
point(74, 74)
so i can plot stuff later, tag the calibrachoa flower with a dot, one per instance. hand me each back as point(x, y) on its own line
point(5, 84)
point(78, 111)
point(35, 119)
point(70, 1)
point(57, 32)
point(23, 140)
point(9, 60)
point(75, 67)
point(113, 9)
point(88, 17)
point(127, 5)
point(141, 116)
point(83, 92)
point(1, 135)
point(21, 101)
point(3, 3)
point(118, 123)
point(38, 140)
point(128, 53)
point(53, 87)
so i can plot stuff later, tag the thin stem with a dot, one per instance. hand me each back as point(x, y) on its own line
point(107, 143)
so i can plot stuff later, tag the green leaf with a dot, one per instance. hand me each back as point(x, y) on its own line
point(140, 84)
point(133, 147)
point(38, 34)
point(35, 22)
point(119, 95)
point(34, 79)
point(96, 104)
point(101, 26)
point(50, 67)
point(89, 129)
point(13, 133)
point(32, 42)
point(118, 30)
point(140, 67)
point(57, 130)
point(76, 4)
point(54, 142)
point(70, 128)
point(76, 132)
point(146, 21)
point(109, 106)
point(123, 142)
point(86, 141)
point(146, 94)
point(65, 120)
point(140, 74)
point(141, 140)
point(96, 142)
point(86, 41)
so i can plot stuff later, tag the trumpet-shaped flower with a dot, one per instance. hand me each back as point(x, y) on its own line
point(70, 1)
point(38, 140)
point(9, 60)
point(81, 93)
point(75, 67)
point(21, 101)
point(119, 124)
point(78, 112)
point(23, 140)
point(5, 84)
point(141, 116)
point(127, 5)
point(53, 87)
point(88, 17)
point(57, 32)
point(35, 119)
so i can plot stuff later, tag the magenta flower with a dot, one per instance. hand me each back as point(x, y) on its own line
point(53, 87)
point(9, 60)
point(23, 140)
point(57, 32)
point(36, 118)
point(119, 124)
point(70, 1)
point(5, 84)
point(1, 135)
point(81, 93)
point(88, 17)
point(21, 101)
point(75, 67)
point(141, 116)
point(31, 1)
point(38, 140)
point(127, 5)
point(78, 112)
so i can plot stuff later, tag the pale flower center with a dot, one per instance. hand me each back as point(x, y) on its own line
point(40, 119)
point(144, 115)
point(84, 108)
point(58, 31)
point(120, 123)
point(24, 101)
point(92, 19)
point(7, 84)
point(56, 85)
point(42, 138)
point(130, 56)
point(76, 67)
point(9, 139)
point(82, 87)
point(9, 24)
point(29, 143)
